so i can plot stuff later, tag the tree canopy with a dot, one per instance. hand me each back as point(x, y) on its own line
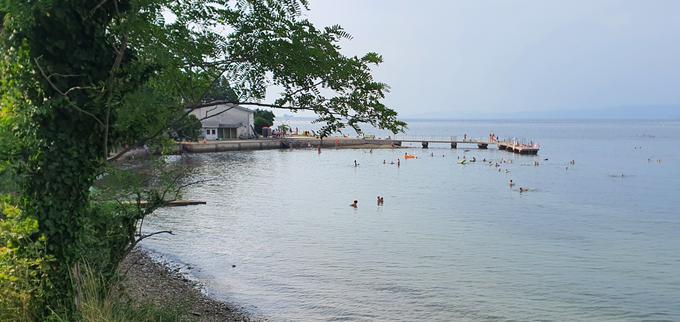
point(79, 78)
point(263, 118)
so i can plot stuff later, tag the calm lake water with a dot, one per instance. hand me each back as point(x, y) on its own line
point(452, 242)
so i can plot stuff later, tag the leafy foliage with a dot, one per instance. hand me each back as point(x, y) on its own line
point(189, 129)
point(283, 128)
point(23, 265)
point(81, 78)
point(221, 91)
point(263, 118)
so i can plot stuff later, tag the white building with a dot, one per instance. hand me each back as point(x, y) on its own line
point(226, 121)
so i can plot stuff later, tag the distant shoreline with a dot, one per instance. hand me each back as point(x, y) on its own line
point(514, 119)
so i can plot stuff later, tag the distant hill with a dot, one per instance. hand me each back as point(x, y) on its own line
point(622, 112)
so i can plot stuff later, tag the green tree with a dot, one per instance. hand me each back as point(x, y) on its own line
point(221, 91)
point(188, 129)
point(283, 128)
point(79, 78)
point(263, 118)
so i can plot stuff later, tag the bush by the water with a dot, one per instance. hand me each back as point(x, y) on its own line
point(23, 265)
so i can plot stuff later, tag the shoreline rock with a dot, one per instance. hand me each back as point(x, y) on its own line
point(151, 282)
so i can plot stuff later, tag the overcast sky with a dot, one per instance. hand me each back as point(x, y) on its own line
point(485, 58)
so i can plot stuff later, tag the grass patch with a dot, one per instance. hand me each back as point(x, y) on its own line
point(97, 302)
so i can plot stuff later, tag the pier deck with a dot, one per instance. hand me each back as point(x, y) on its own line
point(343, 142)
point(511, 146)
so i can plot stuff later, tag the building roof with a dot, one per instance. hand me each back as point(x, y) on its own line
point(238, 107)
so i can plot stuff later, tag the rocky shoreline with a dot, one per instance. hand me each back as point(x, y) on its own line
point(151, 282)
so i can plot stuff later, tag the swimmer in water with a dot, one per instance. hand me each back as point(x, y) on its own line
point(398, 163)
point(354, 204)
point(378, 200)
point(384, 161)
point(382, 201)
point(511, 183)
point(355, 163)
point(523, 189)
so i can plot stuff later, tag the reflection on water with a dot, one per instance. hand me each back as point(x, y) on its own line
point(452, 242)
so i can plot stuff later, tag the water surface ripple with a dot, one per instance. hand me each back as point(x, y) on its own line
point(452, 242)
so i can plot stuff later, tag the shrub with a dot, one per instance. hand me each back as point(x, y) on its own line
point(23, 265)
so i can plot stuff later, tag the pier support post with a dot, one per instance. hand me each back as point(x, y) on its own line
point(454, 145)
point(425, 144)
point(482, 145)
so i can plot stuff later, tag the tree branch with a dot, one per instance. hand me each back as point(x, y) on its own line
point(222, 102)
point(63, 75)
point(216, 114)
point(305, 88)
point(68, 100)
point(112, 73)
point(76, 88)
point(137, 241)
point(154, 234)
point(98, 6)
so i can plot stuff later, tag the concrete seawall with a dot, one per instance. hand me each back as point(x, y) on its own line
point(268, 144)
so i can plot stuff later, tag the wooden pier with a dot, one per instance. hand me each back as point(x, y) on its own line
point(531, 149)
point(511, 146)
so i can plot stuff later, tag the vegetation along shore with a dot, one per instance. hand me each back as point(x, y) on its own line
point(83, 83)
